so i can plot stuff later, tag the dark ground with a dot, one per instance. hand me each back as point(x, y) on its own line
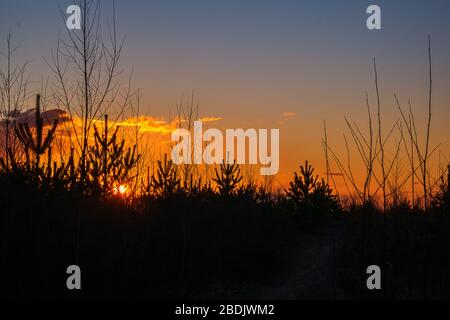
point(207, 247)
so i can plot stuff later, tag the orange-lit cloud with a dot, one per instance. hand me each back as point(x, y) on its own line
point(148, 124)
point(144, 124)
point(289, 114)
point(286, 116)
point(210, 119)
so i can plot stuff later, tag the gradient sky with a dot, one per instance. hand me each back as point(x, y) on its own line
point(251, 61)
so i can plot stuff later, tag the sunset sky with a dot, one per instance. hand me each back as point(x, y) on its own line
point(267, 64)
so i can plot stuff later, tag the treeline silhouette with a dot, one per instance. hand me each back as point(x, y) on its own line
point(194, 238)
point(174, 240)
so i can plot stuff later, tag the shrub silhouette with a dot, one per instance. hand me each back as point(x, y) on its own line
point(109, 165)
point(167, 181)
point(195, 186)
point(228, 179)
point(38, 145)
point(49, 175)
point(308, 192)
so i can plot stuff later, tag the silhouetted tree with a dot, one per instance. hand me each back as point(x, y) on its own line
point(13, 95)
point(109, 163)
point(167, 181)
point(228, 179)
point(308, 192)
point(93, 89)
point(39, 144)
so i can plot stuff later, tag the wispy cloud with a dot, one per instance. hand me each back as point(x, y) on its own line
point(144, 124)
point(147, 124)
point(286, 116)
point(210, 119)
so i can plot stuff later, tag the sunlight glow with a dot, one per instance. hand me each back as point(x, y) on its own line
point(121, 190)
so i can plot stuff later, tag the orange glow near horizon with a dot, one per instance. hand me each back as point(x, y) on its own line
point(121, 190)
point(152, 136)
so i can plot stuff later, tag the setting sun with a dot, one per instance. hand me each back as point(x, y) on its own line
point(121, 189)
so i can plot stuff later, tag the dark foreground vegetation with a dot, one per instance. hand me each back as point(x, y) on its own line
point(410, 246)
point(209, 245)
point(177, 246)
point(179, 237)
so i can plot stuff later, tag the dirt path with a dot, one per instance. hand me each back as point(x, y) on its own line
point(310, 274)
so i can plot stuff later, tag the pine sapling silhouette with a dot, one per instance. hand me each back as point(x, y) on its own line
point(108, 163)
point(48, 175)
point(228, 179)
point(38, 145)
point(167, 181)
point(11, 164)
point(193, 186)
point(307, 191)
point(58, 175)
point(301, 189)
point(17, 167)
